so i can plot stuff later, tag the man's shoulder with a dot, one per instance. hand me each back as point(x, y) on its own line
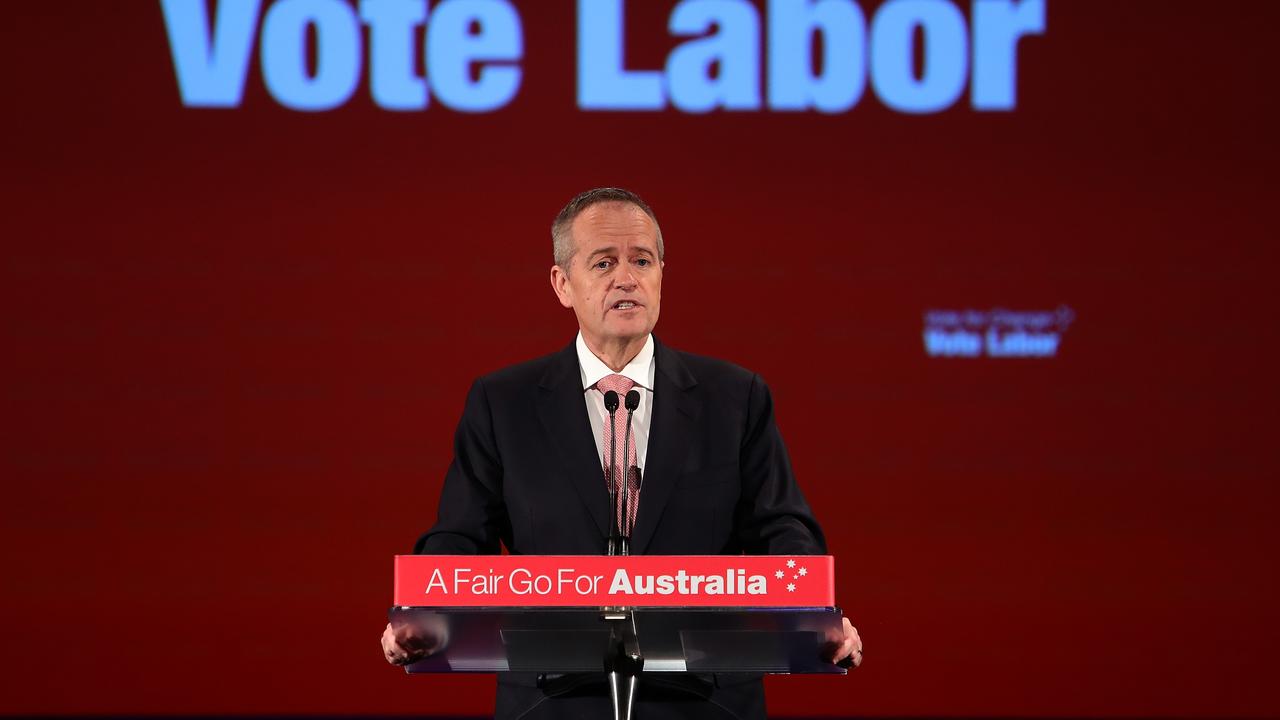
point(685, 368)
point(707, 370)
point(529, 373)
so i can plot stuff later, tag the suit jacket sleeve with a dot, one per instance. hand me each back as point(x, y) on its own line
point(773, 517)
point(472, 516)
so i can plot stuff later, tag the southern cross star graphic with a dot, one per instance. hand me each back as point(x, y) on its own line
point(791, 565)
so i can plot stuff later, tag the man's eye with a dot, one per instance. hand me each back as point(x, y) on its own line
point(603, 265)
point(643, 262)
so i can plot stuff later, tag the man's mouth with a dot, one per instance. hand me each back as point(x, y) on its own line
point(624, 305)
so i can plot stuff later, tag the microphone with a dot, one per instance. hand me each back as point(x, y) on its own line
point(632, 402)
point(611, 404)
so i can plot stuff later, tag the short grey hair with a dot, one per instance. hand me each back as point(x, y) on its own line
point(562, 246)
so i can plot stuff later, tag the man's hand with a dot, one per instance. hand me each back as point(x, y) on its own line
point(408, 644)
point(846, 650)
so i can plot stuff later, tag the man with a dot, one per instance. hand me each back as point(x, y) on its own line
point(526, 473)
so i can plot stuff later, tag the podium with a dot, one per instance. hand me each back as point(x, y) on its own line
point(625, 617)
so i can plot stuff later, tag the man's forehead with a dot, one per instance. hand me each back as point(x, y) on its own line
point(612, 222)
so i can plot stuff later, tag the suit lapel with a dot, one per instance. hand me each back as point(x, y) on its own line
point(675, 408)
point(563, 414)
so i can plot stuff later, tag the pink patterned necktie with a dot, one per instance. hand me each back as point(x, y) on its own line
point(621, 385)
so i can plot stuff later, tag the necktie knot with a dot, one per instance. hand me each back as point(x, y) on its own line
point(620, 384)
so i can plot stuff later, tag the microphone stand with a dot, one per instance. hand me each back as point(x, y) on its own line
point(632, 402)
point(615, 539)
point(623, 663)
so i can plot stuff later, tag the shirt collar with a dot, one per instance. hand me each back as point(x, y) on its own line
point(639, 370)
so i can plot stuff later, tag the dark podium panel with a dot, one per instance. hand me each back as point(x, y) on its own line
point(669, 639)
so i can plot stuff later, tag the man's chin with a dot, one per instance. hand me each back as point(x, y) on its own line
point(628, 331)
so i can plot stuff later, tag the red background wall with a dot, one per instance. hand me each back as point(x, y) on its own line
point(237, 343)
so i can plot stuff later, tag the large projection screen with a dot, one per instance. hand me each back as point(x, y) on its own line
point(1007, 266)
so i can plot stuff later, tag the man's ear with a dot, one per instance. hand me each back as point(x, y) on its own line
point(560, 284)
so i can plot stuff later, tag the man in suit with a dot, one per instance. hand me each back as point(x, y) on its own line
point(527, 473)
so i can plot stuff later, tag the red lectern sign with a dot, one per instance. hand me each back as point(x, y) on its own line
point(599, 580)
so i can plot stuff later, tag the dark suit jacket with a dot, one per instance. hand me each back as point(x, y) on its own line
point(526, 472)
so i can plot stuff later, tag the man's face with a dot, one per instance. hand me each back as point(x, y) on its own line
point(614, 283)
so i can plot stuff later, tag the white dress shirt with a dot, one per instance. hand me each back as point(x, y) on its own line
point(640, 370)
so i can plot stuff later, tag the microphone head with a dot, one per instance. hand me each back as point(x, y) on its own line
point(611, 401)
point(633, 400)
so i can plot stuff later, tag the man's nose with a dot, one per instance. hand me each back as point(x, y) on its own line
point(624, 278)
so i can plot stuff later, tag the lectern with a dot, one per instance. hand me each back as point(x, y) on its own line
point(625, 616)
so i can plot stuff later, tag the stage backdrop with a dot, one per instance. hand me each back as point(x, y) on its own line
point(1008, 267)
